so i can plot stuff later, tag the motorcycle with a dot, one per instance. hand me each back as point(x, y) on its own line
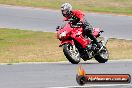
point(76, 45)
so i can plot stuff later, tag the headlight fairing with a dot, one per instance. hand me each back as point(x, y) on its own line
point(62, 35)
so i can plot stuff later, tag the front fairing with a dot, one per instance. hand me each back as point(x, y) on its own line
point(67, 29)
point(72, 34)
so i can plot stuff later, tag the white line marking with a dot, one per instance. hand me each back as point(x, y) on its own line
point(95, 85)
point(65, 62)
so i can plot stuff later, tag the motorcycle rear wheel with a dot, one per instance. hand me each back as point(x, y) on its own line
point(72, 55)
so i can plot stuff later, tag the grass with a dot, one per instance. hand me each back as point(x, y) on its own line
point(109, 6)
point(29, 46)
point(120, 49)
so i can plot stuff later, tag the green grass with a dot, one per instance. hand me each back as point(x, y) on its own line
point(29, 46)
point(109, 6)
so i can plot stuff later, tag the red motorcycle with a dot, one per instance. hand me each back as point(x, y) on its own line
point(76, 45)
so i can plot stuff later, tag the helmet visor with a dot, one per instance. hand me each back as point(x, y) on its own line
point(64, 11)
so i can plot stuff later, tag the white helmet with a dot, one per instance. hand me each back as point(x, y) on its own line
point(66, 9)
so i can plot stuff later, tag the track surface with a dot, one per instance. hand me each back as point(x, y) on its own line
point(57, 74)
point(47, 20)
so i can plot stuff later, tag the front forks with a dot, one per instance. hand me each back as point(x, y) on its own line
point(74, 48)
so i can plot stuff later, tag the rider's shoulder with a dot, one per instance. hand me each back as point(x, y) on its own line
point(77, 12)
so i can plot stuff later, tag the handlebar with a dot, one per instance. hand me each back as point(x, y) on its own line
point(70, 20)
point(78, 25)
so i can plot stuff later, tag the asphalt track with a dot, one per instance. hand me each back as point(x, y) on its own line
point(46, 20)
point(43, 75)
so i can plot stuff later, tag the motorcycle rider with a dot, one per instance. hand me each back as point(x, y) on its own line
point(78, 17)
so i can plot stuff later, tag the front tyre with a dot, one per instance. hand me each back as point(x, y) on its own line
point(71, 53)
point(102, 56)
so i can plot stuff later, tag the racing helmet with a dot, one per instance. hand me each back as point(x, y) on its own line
point(66, 9)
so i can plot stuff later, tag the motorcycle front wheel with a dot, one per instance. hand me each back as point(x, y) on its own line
point(71, 53)
point(102, 56)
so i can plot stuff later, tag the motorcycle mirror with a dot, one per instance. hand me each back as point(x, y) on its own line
point(101, 31)
point(57, 28)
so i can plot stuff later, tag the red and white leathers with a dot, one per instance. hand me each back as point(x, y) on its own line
point(78, 16)
point(77, 13)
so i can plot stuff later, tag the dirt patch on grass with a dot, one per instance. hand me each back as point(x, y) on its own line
point(120, 49)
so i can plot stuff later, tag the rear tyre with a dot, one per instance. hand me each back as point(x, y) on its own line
point(71, 54)
point(102, 56)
